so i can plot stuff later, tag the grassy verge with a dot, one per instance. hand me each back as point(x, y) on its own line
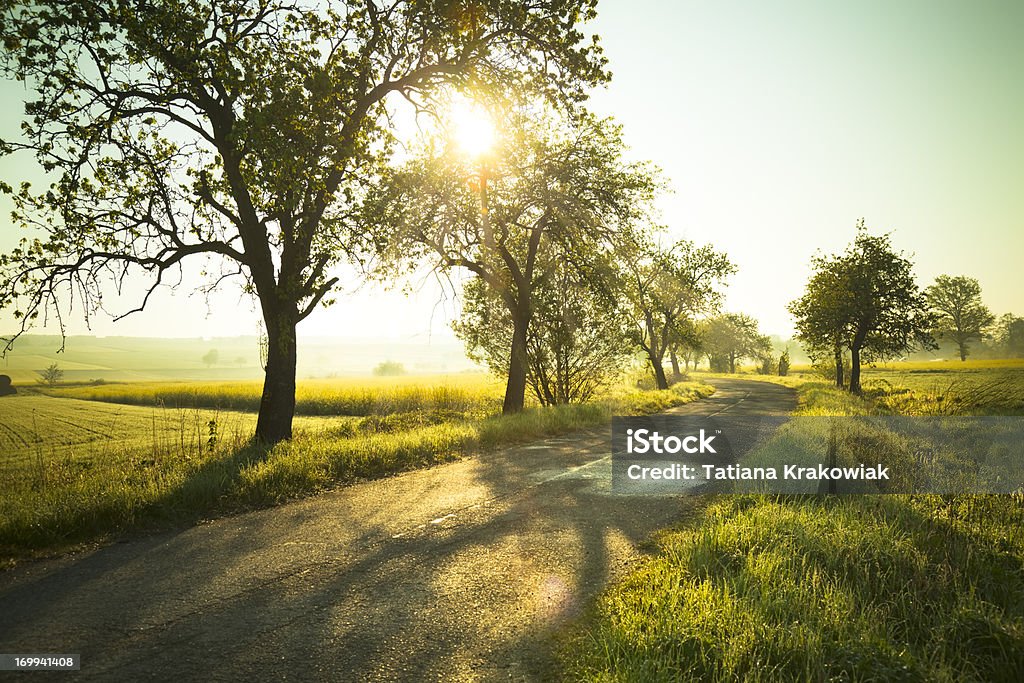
point(847, 589)
point(850, 588)
point(90, 491)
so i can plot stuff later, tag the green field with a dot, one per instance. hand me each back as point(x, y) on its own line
point(841, 588)
point(76, 470)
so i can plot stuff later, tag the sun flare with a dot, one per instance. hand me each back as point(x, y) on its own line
point(472, 128)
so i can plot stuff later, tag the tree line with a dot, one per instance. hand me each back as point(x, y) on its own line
point(260, 137)
point(865, 305)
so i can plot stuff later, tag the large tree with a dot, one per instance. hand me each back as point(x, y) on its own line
point(665, 291)
point(960, 315)
point(869, 298)
point(557, 194)
point(244, 131)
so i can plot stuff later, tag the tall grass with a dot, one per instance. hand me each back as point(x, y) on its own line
point(859, 588)
point(851, 588)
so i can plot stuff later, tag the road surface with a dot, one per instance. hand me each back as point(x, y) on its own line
point(457, 572)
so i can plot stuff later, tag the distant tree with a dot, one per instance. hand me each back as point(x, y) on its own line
point(6, 389)
point(865, 300)
point(389, 368)
point(960, 315)
point(732, 337)
point(244, 132)
point(211, 358)
point(51, 375)
point(1010, 335)
point(239, 361)
point(784, 363)
point(557, 186)
point(665, 291)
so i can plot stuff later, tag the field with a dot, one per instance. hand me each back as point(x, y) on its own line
point(851, 588)
point(469, 393)
point(982, 387)
point(140, 359)
point(76, 470)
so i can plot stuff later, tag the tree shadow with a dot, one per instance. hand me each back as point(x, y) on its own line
point(460, 572)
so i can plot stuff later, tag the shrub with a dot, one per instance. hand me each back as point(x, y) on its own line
point(389, 368)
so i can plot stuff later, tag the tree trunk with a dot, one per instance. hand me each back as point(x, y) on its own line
point(675, 364)
point(855, 370)
point(963, 351)
point(277, 406)
point(839, 367)
point(660, 381)
point(732, 363)
point(515, 389)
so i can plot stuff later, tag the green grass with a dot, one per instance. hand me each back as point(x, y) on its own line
point(842, 588)
point(75, 471)
point(860, 588)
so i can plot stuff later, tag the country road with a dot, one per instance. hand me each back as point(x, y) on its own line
point(457, 572)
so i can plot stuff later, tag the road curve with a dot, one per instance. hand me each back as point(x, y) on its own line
point(457, 572)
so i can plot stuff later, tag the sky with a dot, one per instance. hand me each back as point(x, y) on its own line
point(778, 126)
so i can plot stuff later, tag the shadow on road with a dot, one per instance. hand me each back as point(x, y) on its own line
point(457, 572)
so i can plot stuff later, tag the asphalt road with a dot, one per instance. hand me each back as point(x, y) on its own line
point(457, 572)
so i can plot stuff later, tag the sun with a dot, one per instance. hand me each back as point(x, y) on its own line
point(472, 128)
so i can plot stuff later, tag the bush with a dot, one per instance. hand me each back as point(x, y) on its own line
point(389, 368)
point(51, 375)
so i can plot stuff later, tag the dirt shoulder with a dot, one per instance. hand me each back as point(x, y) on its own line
point(457, 572)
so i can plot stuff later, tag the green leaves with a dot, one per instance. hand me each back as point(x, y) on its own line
point(865, 300)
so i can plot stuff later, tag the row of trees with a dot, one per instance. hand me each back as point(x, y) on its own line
point(250, 134)
point(260, 137)
point(865, 304)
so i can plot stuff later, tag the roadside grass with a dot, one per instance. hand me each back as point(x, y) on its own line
point(830, 588)
point(183, 465)
point(857, 588)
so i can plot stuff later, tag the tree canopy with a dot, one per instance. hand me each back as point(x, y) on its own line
point(867, 300)
point(732, 337)
point(665, 291)
point(557, 195)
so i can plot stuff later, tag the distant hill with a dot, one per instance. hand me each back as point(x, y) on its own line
point(111, 359)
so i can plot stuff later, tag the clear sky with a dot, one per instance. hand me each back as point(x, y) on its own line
point(779, 125)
